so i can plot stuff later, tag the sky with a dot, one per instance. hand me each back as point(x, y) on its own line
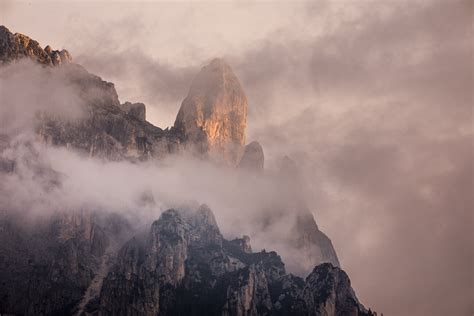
point(372, 99)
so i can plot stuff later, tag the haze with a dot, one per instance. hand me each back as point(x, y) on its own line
point(373, 100)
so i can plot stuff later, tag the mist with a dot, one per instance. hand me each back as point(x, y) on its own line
point(46, 180)
point(28, 90)
point(372, 100)
point(49, 180)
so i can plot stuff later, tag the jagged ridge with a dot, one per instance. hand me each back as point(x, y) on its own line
point(184, 266)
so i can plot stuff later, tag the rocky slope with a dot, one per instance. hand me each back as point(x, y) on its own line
point(82, 261)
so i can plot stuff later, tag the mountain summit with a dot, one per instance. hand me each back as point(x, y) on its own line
point(213, 116)
point(16, 46)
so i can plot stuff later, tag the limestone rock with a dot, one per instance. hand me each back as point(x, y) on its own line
point(253, 157)
point(212, 118)
point(314, 245)
point(243, 243)
point(16, 46)
point(181, 266)
point(46, 269)
point(106, 130)
point(185, 266)
point(136, 110)
point(328, 291)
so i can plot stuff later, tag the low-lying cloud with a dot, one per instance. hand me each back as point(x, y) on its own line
point(47, 180)
point(28, 90)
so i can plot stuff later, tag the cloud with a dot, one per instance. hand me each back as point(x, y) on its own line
point(379, 115)
point(372, 99)
point(159, 85)
point(49, 180)
point(28, 90)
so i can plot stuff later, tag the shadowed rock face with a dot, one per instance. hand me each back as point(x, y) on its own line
point(45, 270)
point(243, 243)
point(328, 291)
point(136, 110)
point(212, 118)
point(184, 266)
point(314, 245)
point(311, 244)
point(253, 157)
point(108, 129)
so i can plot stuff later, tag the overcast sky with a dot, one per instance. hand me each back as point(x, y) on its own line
point(373, 99)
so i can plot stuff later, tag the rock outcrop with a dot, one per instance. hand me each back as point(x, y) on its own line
point(46, 270)
point(305, 237)
point(212, 118)
point(253, 158)
point(243, 243)
point(106, 130)
point(184, 266)
point(136, 110)
point(16, 46)
point(328, 291)
point(314, 246)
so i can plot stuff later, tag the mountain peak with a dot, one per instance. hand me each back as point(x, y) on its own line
point(253, 157)
point(212, 118)
point(17, 46)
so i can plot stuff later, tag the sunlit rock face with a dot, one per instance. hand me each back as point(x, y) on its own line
point(16, 46)
point(212, 118)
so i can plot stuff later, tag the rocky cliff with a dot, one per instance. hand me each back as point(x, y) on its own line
point(46, 268)
point(253, 158)
point(136, 110)
point(184, 266)
point(16, 46)
point(108, 129)
point(213, 117)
